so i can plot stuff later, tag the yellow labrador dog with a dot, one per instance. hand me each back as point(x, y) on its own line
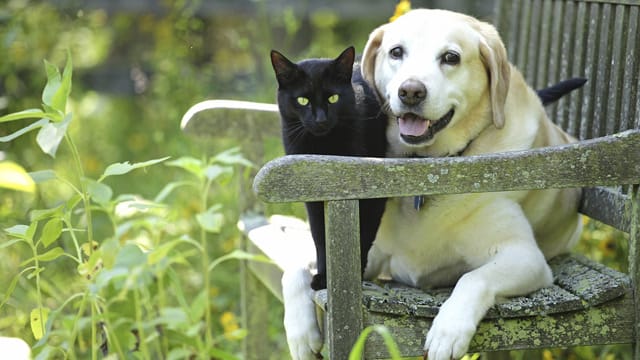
point(449, 90)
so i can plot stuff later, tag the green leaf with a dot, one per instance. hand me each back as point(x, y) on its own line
point(38, 124)
point(14, 177)
point(173, 317)
point(130, 256)
point(19, 231)
point(54, 81)
point(212, 172)
point(92, 266)
point(43, 175)
point(216, 353)
point(168, 189)
point(9, 243)
point(52, 254)
point(162, 251)
point(12, 286)
point(58, 87)
point(41, 214)
point(178, 354)
point(125, 167)
point(25, 114)
point(198, 306)
point(99, 192)
point(51, 232)
point(190, 164)
point(24, 232)
point(38, 321)
point(239, 255)
point(51, 134)
point(211, 221)
point(232, 157)
point(358, 347)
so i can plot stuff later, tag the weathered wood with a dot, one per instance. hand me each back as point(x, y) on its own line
point(344, 303)
point(633, 212)
point(222, 118)
point(609, 323)
point(255, 311)
point(609, 160)
point(606, 205)
point(253, 298)
point(579, 283)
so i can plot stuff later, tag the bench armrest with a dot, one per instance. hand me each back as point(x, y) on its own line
point(605, 161)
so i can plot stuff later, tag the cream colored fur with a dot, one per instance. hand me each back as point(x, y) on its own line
point(486, 245)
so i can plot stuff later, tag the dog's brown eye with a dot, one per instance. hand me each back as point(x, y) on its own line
point(450, 58)
point(396, 53)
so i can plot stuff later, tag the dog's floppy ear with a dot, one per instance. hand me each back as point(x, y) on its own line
point(368, 67)
point(494, 57)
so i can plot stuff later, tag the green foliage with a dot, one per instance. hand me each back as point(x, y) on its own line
point(358, 347)
point(117, 299)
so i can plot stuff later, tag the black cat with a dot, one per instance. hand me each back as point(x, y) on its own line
point(327, 108)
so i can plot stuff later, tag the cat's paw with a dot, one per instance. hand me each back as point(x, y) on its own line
point(319, 282)
point(303, 333)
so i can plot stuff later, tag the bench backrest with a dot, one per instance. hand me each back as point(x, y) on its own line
point(551, 40)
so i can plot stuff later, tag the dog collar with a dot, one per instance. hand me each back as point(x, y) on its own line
point(419, 200)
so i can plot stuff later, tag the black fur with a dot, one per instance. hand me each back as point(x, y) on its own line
point(554, 92)
point(352, 126)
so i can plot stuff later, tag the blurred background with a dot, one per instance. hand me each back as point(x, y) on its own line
point(138, 66)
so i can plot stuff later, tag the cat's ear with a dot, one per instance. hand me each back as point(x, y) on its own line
point(343, 64)
point(286, 71)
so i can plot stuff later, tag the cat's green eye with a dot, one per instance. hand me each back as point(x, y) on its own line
point(302, 100)
point(334, 98)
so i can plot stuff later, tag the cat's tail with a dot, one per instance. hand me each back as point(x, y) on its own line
point(554, 92)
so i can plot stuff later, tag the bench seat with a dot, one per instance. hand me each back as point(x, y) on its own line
point(583, 303)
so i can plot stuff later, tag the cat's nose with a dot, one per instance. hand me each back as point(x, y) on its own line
point(321, 118)
point(412, 92)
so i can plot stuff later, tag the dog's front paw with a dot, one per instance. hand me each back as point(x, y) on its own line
point(303, 334)
point(448, 338)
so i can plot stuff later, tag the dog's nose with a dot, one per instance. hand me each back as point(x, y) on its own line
point(412, 92)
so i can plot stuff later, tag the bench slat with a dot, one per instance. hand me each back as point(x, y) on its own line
point(612, 322)
point(605, 161)
point(579, 283)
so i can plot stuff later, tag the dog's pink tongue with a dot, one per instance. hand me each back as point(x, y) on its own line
point(412, 124)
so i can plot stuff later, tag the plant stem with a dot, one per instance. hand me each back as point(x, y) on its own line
point(162, 303)
point(83, 188)
point(87, 210)
point(72, 338)
point(72, 233)
point(38, 291)
point(94, 337)
point(144, 351)
point(205, 270)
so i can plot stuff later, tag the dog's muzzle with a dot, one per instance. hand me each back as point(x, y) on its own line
point(416, 130)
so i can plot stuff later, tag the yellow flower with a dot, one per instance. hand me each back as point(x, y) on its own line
point(229, 324)
point(607, 245)
point(402, 7)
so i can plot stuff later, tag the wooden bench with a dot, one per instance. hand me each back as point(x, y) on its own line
point(589, 304)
